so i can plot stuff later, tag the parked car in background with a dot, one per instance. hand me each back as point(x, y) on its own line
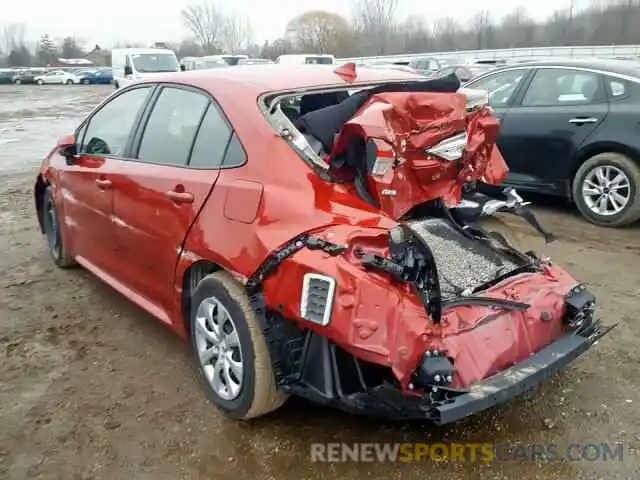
point(570, 128)
point(27, 76)
point(232, 59)
point(6, 75)
point(392, 66)
point(203, 63)
point(464, 72)
point(425, 65)
point(56, 77)
point(101, 77)
point(255, 61)
point(131, 64)
point(306, 59)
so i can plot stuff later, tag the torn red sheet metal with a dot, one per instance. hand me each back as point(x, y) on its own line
point(403, 125)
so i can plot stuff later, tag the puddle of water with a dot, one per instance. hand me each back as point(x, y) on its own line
point(33, 118)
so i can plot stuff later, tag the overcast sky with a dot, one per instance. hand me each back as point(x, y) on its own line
point(108, 21)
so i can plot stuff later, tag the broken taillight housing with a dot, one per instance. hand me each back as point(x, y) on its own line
point(381, 159)
point(450, 149)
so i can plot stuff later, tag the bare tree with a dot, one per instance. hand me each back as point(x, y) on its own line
point(319, 31)
point(12, 36)
point(517, 29)
point(236, 34)
point(376, 19)
point(446, 30)
point(481, 27)
point(205, 21)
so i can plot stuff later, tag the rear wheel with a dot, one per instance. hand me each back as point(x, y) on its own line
point(39, 82)
point(85, 81)
point(69, 82)
point(606, 190)
point(116, 85)
point(55, 242)
point(230, 349)
point(18, 81)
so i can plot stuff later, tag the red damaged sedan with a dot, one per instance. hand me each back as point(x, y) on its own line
point(317, 232)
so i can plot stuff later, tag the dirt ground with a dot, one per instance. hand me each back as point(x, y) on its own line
point(93, 388)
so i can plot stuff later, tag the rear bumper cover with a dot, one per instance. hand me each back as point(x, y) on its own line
point(517, 379)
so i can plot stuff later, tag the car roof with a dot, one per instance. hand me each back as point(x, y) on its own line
point(621, 67)
point(263, 78)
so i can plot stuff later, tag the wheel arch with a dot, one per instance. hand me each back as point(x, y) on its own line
point(192, 276)
point(38, 192)
point(595, 149)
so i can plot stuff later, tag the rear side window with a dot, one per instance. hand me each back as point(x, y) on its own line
point(172, 127)
point(501, 86)
point(108, 130)
point(235, 155)
point(211, 142)
point(617, 87)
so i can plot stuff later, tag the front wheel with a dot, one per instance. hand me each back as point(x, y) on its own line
point(606, 190)
point(55, 242)
point(85, 81)
point(18, 81)
point(230, 349)
point(116, 85)
point(69, 82)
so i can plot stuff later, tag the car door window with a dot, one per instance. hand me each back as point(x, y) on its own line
point(559, 87)
point(212, 140)
point(108, 130)
point(172, 126)
point(501, 86)
point(617, 87)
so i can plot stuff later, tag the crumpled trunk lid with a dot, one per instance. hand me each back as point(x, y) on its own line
point(400, 127)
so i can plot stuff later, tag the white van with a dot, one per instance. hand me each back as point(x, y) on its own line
point(302, 59)
point(130, 64)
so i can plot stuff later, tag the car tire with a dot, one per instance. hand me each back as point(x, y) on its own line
point(69, 82)
point(256, 392)
point(586, 183)
point(116, 85)
point(39, 82)
point(53, 233)
point(85, 82)
point(18, 82)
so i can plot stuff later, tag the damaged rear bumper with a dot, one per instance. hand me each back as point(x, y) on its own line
point(311, 366)
point(518, 379)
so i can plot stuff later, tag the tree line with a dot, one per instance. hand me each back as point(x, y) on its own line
point(373, 29)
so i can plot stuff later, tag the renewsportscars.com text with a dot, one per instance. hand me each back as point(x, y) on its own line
point(464, 452)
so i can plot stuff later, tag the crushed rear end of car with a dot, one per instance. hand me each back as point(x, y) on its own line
point(436, 317)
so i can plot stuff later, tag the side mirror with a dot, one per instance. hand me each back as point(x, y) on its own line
point(67, 148)
point(182, 68)
point(128, 70)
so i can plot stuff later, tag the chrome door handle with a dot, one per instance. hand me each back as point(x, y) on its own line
point(579, 120)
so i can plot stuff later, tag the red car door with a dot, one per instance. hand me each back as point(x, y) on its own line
point(87, 184)
point(159, 194)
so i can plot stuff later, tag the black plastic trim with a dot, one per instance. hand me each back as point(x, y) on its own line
point(515, 380)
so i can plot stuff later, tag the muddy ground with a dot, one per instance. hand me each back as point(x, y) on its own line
point(93, 388)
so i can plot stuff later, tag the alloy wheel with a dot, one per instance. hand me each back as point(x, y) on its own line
point(218, 348)
point(606, 190)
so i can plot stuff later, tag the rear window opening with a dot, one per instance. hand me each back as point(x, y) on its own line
point(314, 140)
